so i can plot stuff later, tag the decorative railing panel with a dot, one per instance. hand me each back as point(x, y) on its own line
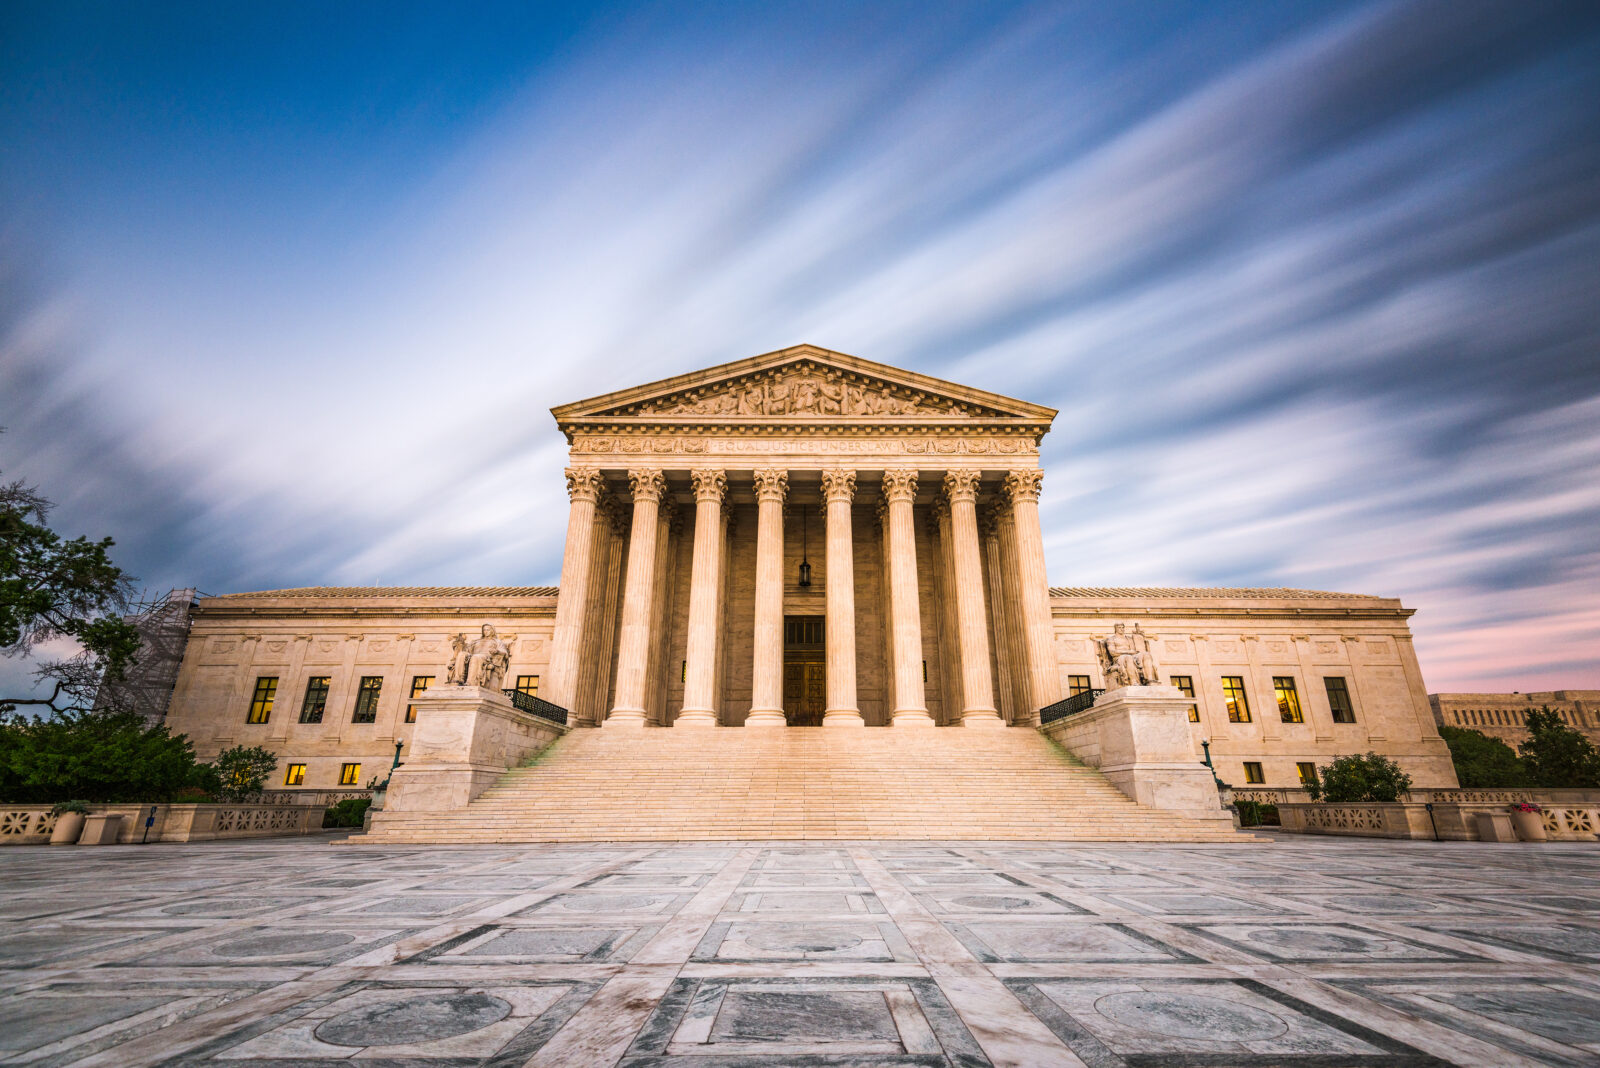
point(1078, 702)
point(537, 706)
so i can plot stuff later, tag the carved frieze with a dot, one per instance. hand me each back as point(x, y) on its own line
point(804, 388)
point(687, 445)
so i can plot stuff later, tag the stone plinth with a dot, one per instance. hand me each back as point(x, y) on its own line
point(1139, 738)
point(466, 737)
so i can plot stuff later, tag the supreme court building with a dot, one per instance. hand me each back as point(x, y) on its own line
point(807, 539)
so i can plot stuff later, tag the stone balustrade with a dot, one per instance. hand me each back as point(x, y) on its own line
point(1572, 821)
point(33, 824)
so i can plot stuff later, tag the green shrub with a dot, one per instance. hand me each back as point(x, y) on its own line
point(351, 812)
point(61, 808)
point(1482, 761)
point(1257, 813)
point(1558, 757)
point(242, 771)
point(1362, 778)
point(99, 756)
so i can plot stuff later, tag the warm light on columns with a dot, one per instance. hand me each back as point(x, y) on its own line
point(1044, 683)
point(972, 625)
point(584, 487)
point(700, 656)
point(910, 704)
point(766, 675)
point(633, 642)
point(838, 489)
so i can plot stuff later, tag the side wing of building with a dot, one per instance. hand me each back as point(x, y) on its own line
point(1281, 678)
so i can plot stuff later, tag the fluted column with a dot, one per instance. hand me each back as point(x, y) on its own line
point(1044, 676)
point(838, 489)
point(700, 671)
point(910, 705)
point(972, 627)
point(584, 486)
point(633, 643)
point(766, 676)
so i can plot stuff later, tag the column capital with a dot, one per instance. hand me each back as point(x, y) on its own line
point(709, 484)
point(772, 484)
point(962, 486)
point(1022, 485)
point(899, 484)
point(648, 484)
point(838, 484)
point(585, 484)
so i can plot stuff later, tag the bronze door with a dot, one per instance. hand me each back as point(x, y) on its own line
point(804, 692)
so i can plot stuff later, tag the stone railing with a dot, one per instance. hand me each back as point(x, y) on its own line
point(1572, 821)
point(32, 824)
point(324, 798)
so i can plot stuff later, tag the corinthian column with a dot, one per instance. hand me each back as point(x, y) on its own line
point(633, 643)
point(766, 676)
point(1044, 676)
point(700, 671)
point(910, 706)
point(972, 628)
point(838, 487)
point(584, 486)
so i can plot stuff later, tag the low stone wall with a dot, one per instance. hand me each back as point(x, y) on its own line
point(325, 798)
point(32, 824)
point(1572, 821)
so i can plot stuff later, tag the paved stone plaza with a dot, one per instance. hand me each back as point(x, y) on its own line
point(298, 953)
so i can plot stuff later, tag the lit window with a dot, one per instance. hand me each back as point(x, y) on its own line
point(528, 685)
point(261, 700)
point(419, 686)
point(1185, 685)
point(350, 775)
point(367, 699)
point(1077, 684)
point(1308, 772)
point(295, 776)
point(1339, 700)
point(1252, 772)
point(316, 699)
point(1233, 696)
point(1288, 699)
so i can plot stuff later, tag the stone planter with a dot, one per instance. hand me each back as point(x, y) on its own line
point(101, 828)
point(69, 825)
point(1529, 826)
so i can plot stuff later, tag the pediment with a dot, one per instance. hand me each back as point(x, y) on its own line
point(802, 384)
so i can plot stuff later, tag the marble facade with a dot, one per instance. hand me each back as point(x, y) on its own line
point(913, 504)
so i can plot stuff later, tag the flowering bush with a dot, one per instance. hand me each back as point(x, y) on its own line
point(1525, 806)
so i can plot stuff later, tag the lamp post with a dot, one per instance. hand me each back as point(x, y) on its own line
point(1205, 744)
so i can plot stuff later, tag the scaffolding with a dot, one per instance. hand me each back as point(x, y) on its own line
point(146, 688)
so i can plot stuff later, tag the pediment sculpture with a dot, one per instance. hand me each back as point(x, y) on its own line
point(806, 389)
point(1126, 659)
point(480, 662)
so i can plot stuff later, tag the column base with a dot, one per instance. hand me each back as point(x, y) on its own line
point(626, 717)
point(982, 718)
point(766, 717)
point(912, 717)
point(843, 717)
point(696, 717)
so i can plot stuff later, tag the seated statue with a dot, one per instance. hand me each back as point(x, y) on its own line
point(481, 662)
point(1126, 660)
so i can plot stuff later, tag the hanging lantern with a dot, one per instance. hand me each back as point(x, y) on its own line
point(805, 566)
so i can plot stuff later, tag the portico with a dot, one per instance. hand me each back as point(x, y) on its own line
point(693, 506)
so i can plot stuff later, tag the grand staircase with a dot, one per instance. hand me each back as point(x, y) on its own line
point(799, 783)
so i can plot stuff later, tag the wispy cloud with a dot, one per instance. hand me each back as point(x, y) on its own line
point(1313, 292)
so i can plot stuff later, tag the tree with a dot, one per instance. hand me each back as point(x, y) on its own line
point(1363, 778)
point(98, 756)
point(54, 587)
point(242, 771)
point(1482, 761)
point(1558, 757)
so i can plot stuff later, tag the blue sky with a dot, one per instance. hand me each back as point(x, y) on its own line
point(286, 291)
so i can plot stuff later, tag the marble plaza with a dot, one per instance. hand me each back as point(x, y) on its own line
point(296, 954)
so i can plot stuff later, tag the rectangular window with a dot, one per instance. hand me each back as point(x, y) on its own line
point(1185, 685)
point(316, 699)
point(367, 699)
point(350, 775)
point(1339, 700)
point(419, 686)
point(1288, 699)
point(295, 776)
point(1308, 772)
point(528, 684)
point(261, 700)
point(1252, 772)
point(1077, 684)
point(1233, 696)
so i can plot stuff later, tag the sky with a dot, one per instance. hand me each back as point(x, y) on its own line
point(287, 290)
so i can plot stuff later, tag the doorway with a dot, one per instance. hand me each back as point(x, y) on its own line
point(805, 678)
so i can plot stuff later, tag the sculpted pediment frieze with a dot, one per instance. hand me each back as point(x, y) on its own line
point(805, 388)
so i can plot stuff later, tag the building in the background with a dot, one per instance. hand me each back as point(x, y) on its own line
point(1505, 715)
point(148, 684)
point(805, 539)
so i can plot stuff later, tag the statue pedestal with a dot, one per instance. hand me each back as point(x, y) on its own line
point(1140, 739)
point(465, 738)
